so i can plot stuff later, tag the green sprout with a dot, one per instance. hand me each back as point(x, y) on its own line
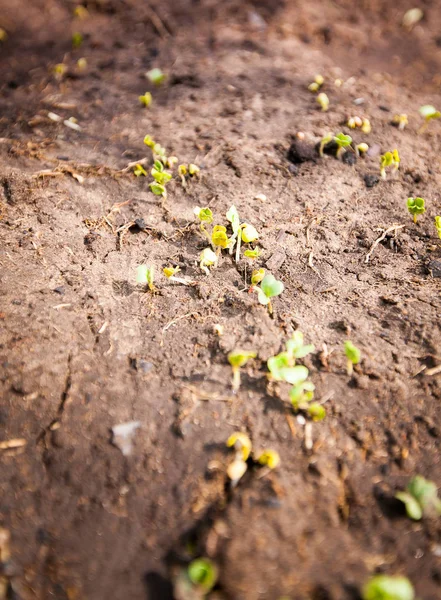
point(81, 12)
point(238, 359)
point(420, 498)
point(255, 253)
point(428, 112)
point(60, 70)
point(343, 141)
point(203, 574)
point(269, 458)
point(247, 233)
point(324, 142)
point(416, 206)
point(145, 276)
point(146, 99)
point(156, 76)
point(157, 150)
point(401, 121)
point(241, 444)
point(170, 271)
point(159, 174)
point(386, 587)
point(77, 40)
point(219, 237)
point(353, 356)
point(316, 411)
point(269, 288)
point(193, 170)
point(204, 215)
point(139, 170)
point(361, 149)
point(366, 126)
point(207, 259)
point(301, 395)
point(233, 217)
point(171, 161)
point(354, 122)
point(256, 276)
point(296, 348)
point(389, 159)
point(438, 226)
point(323, 101)
point(158, 189)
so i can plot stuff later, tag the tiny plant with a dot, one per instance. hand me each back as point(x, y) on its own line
point(389, 159)
point(353, 356)
point(428, 112)
point(438, 226)
point(205, 216)
point(269, 458)
point(170, 271)
point(219, 237)
point(158, 189)
point(416, 206)
point(247, 233)
point(207, 259)
point(139, 171)
point(159, 174)
point(202, 574)
point(323, 101)
point(238, 359)
point(254, 253)
point(420, 498)
point(145, 276)
point(324, 142)
point(400, 121)
point(343, 141)
point(354, 122)
point(256, 277)
point(361, 149)
point(242, 446)
point(77, 40)
point(146, 99)
point(269, 288)
point(314, 87)
point(386, 587)
point(156, 76)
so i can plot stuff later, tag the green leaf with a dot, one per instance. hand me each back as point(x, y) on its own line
point(316, 411)
point(429, 112)
point(301, 394)
point(385, 587)
point(239, 358)
point(203, 573)
point(263, 298)
point(294, 375)
point(413, 508)
point(249, 233)
point(271, 287)
point(352, 353)
point(204, 214)
point(295, 346)
point(343, 140)
point(233, 217)
point(416, 206)
point(156, 76)
point(158, 189)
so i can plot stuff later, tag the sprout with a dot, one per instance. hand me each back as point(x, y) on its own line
point(353, 356)
point(416, 206)
point(429, 112)
point(438, 226)
point(145, 276)
point(324, 142)
point(233, 217)
point(236, 470)
point(400, 121)
point(193, 169)
point(366, 126)
point(171, 161)
point(182, 172)
point(257, 276)
point(389, 159)
point(385, 587)
point(81, 12)
point(269, 458)
point(159, 174)
point(146, 99)
point(219, 237)
point(269, 288)
point(82, 64)
point(158, 189)
point(156, 76)
point(203, 214)
point(316, 84)
point(60, 70)
point(249, 233)
point(342, 141)
point(323, 101)
point(77, 40)
point(170, 271)
point(316, 411)
point(301, 394)
point(238, 359)
point(420, 498)
point(139, 170)
point(282, 368)
point(354, 122)
point(296, 348)
point(207, 259)
point(203, 574)
point(252, 253)
point(157, 150)
point(361, 149)
point(149, 141)
point(241, 443)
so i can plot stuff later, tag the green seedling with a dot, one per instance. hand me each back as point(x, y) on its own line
point(145, 276)
point(171, 161)
point(170, 271)
point(238, 359)
point(77, 40)
point(343, 141)
point(269, 288)
point(156, 76)
point(256, 277)
point(386, 587)
point(282, 367)
point(316, 411)
point(416, 206)
point(219, 237)
point(204, 215)
point(353, 356)
point(401, 121)
point(324, 142)
point(323, 101)
point(428, 112)
point(354, 122)
point(366, 126)
point(146, 99)
point(193, 170)
point(247, 233)
point(60, 70)
point(438, 226)
point(139, 171)
point(242, 446)
point(158, 189)
point(269, 458)
point(361, 149)
point(159, 174)
point(296, 348)
point(233, 217)
point(202, 574)
point(207, 259)
point(158, 151)
point(301, 395)
point(389, 159)
point(255, 253)
point(420, 498)
point(81, 12)
point(182, 172)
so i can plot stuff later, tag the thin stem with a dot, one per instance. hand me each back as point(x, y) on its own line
point(238, 244)
point(349, 367)
point(270, 308)
point(415, 219)
point(236, 379)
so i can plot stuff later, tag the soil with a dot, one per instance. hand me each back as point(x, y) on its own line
point(84, 349)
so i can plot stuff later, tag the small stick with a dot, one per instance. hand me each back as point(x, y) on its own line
point(433, 371)
point(381, 238)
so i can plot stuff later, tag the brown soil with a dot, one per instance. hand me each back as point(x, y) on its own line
point(83, 349)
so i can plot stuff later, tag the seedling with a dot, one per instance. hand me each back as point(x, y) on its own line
point(256, 277)
point(269, 288)
point(139, 171)
point(401, 121)
point(354, 122)
point(323, 101)
point(255, 253)
point(366, 126)
point(158, 189)
point(242, 446)
point(343, 141)
point(324, 142)
point(60, 70)
point(438, 226)
point(301, 395)
point(170, 271)
point(157, 150)
point(389, 159)
point(361, 149)
point(247, 233)
point(77, 40)
point(233, 217)
point(81, 12)
point(205, 216)
point(353, 356)
point(269, 458)
point(428, 112)
point(82, 64)
point(316, 84)
point(203, 574)
point(416, 206)
point(193, 170)
point(145, 276)
point(219, 237)
point(146, 99)
point(238, 359)
point(159, 174)
point(156, 76)
point(386, 587)
point(296, 348)
point(171, 161)
point(207, 259)
point(420, 498)
point(316, 411)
